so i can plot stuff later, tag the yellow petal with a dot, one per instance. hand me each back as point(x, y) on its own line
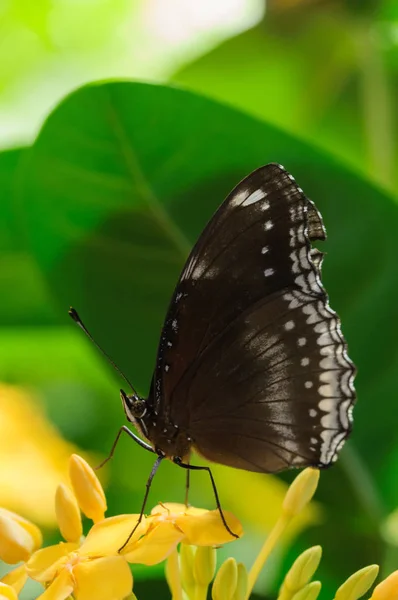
point(87, 487)
point(60, 589)
point(387, 589)
point(105, 538)
point(300, 491)
point(168, 509)
point(7, 592)
point(16, 541)
point(207, 529)
point(156, 545)
point(202, 527)
point(68, 514)
point(43, 564)
point(358, 584)
point(106, 578)
point(16, 578)
point(204, 565)
point(224, 585)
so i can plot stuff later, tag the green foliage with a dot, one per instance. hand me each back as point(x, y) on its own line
point(326, 71)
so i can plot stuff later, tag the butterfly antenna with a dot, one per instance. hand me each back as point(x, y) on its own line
point(75, 316)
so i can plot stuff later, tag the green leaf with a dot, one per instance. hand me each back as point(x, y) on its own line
point(24, 299)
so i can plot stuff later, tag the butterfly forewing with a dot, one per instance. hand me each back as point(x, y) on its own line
point(252, 362)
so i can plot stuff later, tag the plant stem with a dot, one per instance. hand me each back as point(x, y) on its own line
point(377, 111)
point(269, 545)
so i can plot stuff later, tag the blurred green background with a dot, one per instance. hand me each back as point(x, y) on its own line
point(105, 189)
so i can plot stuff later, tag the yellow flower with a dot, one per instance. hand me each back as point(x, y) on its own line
point(29, 445)
point(68, 569)
point(387, 589)
point(16, 578)
point(201, 527)
point(7, 592)
point(18, 537)
point(159, 533)
point(93, 567)
point(12, 583)
point(87, 570)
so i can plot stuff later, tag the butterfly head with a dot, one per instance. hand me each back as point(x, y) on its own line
point(134, 406)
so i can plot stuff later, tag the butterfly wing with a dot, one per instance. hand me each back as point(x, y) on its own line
point(232, 368)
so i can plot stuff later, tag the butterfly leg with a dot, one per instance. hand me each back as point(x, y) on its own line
point(148, 487)
point(132, 435)
point(187, 487)
point(179, 462)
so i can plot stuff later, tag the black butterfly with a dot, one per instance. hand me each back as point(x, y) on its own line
point(252, 369)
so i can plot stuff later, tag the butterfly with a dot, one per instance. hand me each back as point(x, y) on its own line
point(252, 369)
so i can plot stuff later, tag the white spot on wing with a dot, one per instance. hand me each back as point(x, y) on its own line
point(254, 197)
point(268, 225)
point(269, 272)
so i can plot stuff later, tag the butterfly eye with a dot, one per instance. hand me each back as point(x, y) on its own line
point(135, 407)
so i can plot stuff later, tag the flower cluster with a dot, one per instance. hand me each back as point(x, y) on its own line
point(92, 566)
point(97, 566)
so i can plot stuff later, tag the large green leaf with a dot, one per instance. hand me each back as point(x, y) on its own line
point(23, 294)
point(121, 181)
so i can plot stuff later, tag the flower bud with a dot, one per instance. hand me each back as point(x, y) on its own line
point(300, 492)
point(301, 572)
point(88, 489)
point(68, 514)
point(16, 578)
point(226, 580)
point(19, 538)
point(242, 583)
point(309, 591)
point(204, 565)
point(7, 592)
point(187, 557)
point(358, 584)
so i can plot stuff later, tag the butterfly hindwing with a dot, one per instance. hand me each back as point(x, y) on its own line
point(231, 369)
